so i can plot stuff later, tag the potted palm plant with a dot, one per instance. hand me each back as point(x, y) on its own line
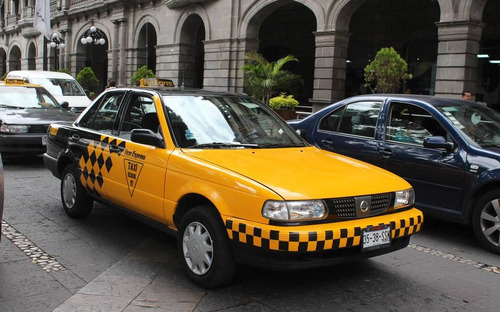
point(263, 78)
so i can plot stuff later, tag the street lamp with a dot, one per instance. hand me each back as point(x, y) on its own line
point(57, 42)
point(93, 35)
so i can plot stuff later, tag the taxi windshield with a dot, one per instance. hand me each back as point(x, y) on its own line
point(479, 124)
point(60, 86)
point(227, 122)
point(26, 97)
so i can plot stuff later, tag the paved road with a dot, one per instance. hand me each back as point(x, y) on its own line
point(110, 262)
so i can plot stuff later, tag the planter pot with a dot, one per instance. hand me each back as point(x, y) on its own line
point(286, 114)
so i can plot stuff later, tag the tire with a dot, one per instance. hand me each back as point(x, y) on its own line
point(486, 221)
point(204, 248)
point(76, 202)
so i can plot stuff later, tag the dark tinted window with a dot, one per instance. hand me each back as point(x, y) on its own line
point(358, 118)
point(102, 116)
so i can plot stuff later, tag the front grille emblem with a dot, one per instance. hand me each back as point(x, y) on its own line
point(364, 206)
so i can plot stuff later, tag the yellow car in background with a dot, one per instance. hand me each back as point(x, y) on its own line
point(230, 179)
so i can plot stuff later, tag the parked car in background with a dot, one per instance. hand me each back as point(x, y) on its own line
point(26, 111)
point(230, 179)
point(62, 86)
point(448, 150)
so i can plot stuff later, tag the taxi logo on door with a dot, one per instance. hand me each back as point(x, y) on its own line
point(132, 173)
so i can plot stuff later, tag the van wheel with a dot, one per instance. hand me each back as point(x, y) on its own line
point(76, 202)
point(205, 249)
point(486, 221)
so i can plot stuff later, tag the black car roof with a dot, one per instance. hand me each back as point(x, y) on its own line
point(429, 99)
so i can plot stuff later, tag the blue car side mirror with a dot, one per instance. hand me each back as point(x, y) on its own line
point(438, 142)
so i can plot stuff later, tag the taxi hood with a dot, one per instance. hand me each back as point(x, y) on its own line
point(304, 173)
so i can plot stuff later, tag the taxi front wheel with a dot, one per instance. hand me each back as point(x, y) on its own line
point(76, 202)
point(486, 221)
point(205, 249)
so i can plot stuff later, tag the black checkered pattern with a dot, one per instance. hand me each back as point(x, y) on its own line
point(279, 238)
point(93, 161)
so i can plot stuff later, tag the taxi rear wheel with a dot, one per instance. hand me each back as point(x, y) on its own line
point(76, 202)
point(205, 249)
point(486, 221)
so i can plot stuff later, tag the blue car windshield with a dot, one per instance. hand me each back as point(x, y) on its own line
point(227, 122)
point(478, 124)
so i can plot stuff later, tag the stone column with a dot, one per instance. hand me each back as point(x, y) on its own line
point(216, 68)
point(330, 68)
point(115, 48)
point(456, 70)
point(241, 47)
point(122, 72)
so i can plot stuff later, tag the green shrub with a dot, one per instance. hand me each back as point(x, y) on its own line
point(64, 70)
point(87, 79)
point(386, 72)
point(142, 72)
point(283, 101)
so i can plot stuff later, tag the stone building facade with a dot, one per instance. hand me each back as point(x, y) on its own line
point(202, 43)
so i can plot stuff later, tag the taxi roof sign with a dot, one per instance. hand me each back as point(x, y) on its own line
point(155, 82)
point(14, 81)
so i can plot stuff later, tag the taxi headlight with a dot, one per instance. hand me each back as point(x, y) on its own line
point(404, 198)
point(303, 210)
point(13, 128)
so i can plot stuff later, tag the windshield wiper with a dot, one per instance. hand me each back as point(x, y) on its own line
point(280, 145)
point(223, 145)
point(11, 106)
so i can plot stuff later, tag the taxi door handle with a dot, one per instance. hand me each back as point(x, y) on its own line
point(75, 138)
point(114, 148)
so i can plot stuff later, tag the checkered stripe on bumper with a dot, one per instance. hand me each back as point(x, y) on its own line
point(282, 239)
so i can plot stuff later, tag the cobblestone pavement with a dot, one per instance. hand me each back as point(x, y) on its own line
point(110, 262)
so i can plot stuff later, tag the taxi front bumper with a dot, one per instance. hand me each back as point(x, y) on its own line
point(318, 244)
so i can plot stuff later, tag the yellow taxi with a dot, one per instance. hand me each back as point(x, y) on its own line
point(230, 179)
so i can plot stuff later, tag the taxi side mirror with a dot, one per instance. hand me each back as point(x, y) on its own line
point(64, 105)
point(148, 137)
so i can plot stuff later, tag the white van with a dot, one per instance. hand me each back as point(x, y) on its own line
point(61, 85)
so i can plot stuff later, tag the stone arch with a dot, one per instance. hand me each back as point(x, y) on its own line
point(14, 57)
point(146, 41)
point(253, 17)
point(91, 55)
point(340, 12)
point(31, 53)
point(461, 10)
point(3, 61)
point(187, 12)
point(192, 52)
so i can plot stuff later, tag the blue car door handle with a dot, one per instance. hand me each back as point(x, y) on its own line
point(327, 143)
point(385, 152)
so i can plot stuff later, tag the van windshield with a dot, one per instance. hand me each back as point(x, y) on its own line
point(60, 86)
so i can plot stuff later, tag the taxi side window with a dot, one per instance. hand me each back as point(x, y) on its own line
point(102, 117)
point(358, 118)
point(411, 124)
point(140, 114)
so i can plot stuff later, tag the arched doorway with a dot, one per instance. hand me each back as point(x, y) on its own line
point(192, 56)
point(289, 30)
point(15, 59)
point(488, 79)
point(409, 28)
point(146, 52)
point(95, 51)
point(3, 62)
point(32, 56)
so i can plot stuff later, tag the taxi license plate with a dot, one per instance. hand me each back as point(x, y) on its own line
point(376, 237)
point(44, 140)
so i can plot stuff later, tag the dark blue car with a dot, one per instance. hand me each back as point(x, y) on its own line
point(448, 149)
